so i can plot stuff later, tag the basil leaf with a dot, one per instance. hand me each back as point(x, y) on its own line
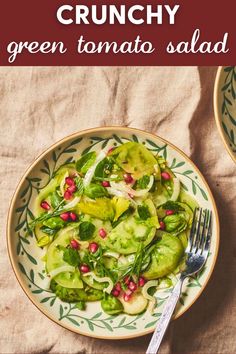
point(94, 191)
point(86, 230)
point(104, 168)
point(85, 162)
point(55, 199)
point(143, 212)
point(71, 256)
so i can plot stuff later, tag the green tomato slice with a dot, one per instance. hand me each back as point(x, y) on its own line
point(55, 258)
point(127, 235)
point(134, 158)
point(165, 257)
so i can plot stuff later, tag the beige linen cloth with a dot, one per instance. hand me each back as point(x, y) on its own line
point(39, 106)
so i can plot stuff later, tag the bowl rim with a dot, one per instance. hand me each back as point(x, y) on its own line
point(217, 112)
point(30, 168)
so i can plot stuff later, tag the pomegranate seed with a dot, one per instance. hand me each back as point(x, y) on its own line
point(118, 286)
point(73, 216)
point(102, 233)
point(105, 184)
point(115, 292)
point(128, 178)
point(72, 189)
point(70, 181)
point(74, 244)
point(67, 195)
point(141, 281)
point(126, 296)
point(132, 286)
point(170, 212)
point(45, 205)
point(165, 176)
point(162, 225)
point(127, 280)
point(65, 216)
point(84, 268)
point(93, 247)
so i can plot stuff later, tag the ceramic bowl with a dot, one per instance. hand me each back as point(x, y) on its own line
point(25, 256)
point(225, 107)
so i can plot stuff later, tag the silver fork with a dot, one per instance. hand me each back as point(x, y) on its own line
point(196, 256)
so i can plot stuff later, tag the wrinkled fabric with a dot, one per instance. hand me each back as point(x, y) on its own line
point(39, 106)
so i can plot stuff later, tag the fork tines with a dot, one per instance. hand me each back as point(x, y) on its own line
point(200, 234)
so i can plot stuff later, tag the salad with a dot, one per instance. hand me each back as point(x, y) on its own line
point(114, 226)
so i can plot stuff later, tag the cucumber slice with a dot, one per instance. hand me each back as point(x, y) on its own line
point(187, 199)
point(136, 305)
point(55, 258)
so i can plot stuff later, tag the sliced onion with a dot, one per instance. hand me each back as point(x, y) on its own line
point(62, 184)
point(89, 174)
point(117, 193)
point(152, 299)
point(59, 270)
point(149, 284)
point(122, 189)
point(111, 254)
point(110, 286)
point(72, 204)
point(142, 192)
point(176, 189)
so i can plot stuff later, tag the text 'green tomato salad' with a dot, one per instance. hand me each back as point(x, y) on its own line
point(114, 226)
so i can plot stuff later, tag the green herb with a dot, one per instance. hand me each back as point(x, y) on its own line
point(143, 212)
point(134, 268)
point(81, 305)
point(85, 162)
point(71, 256)
point(169, 205)
point(142, 183)
point(94, 191)
point(96, 260)
point(86, 230)
point(45, 216)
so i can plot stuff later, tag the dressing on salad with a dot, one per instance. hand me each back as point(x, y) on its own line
point(114, 226)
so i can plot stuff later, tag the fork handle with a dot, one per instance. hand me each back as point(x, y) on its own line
point(165, 319)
